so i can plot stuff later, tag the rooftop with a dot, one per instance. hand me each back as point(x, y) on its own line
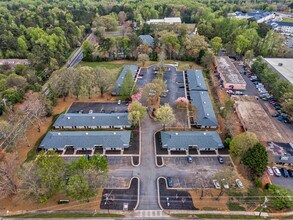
point(184, 139)
point(204, 114)
point(147, 39)
point(132, 68)
point(95, 119)
point(86, 139)
point(229, 71)
point(196, 80)
point(283, 66)
point(169, 20)
point(283, 152)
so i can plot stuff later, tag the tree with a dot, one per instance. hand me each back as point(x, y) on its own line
point(242, 142)
point(171, 42)
point(216, 44)
point(155, 89)
point(78, 188)
point(241, 44)
point(104, 80)
point(122, 17)
point(8, 175)
point(87, 81)
point(107, 21)
point(137, 112)
point(208, 59)
point(165, 115)
point(127, 86)
point(42, 178)
point(87, 50)
point(279, 197)
point(256, 159)
point(61, 85)
point(143, 58)
point(194, 44)
point(225, 176)
point(249, 55)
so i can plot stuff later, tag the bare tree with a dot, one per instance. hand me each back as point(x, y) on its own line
point(87, 81)
point(104, 80)
point(8, 179)
point(226, 176)
point(61, 83)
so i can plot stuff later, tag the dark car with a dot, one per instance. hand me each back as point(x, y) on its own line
point(169, 182)
point(189, 159)
point(275, 115)
point(290, 172)
point(284, 172)
point(220, 159)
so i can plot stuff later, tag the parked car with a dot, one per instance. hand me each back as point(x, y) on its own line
point(275, 115)
point(119, 102)
point(280, 118)
point(217, 184)
point(270, 171)
point(284, 172)
point(290, 172)
point(91, 111)
point(169, 181)
point(239, 183)
point(277, 107)
point(238, 93)
point(230, 92)
point(225, 184)
point(276, 171)
point(287, 121)
point(189, 159)
point(220, 159)
point(139, 77)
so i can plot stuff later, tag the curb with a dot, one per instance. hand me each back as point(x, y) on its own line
point(155, 146)
point(158, 191)
point(138, 192)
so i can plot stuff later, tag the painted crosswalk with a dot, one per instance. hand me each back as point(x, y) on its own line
point(150, 214)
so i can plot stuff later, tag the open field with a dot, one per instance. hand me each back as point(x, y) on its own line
point(66, 215)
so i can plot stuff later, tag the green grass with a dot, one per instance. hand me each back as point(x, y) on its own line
point(234, 206)
point(66, 215)
point(107, 65)
point(290, 20)
point(181, 215)
point(215, 216)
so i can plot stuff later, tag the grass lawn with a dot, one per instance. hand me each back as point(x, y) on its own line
point(234, 206)
point(107, 65)
point(66, 215)
point(290, 20)
point(215, 216)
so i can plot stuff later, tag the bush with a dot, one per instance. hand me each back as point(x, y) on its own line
point(257, 182)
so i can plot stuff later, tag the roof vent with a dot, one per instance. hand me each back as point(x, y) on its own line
point(86, 133)
point(118, 117)
point(204, 133)
point(280, 64)
point(59, 133)
point(176, 133)
point(68, 117)
point(204, 102)
point(201, 92)
point(114, 133)
point(208, 114)
point(94, 117)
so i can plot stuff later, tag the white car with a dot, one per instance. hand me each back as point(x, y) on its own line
point(270, 171)
point(119, 102)
point(217, 184)
point(277, 171)
point(225, 184)
point(91, 111)
point(239, 183)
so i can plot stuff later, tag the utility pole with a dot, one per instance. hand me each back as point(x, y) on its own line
point(263, 205)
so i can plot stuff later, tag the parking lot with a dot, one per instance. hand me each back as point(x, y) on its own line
point(98, 107)
point(282, 181)
point(197, 174)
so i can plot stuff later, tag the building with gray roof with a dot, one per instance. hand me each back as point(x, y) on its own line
point(229, 74)
point(86, 140)
point(92, 121)
point(133, 69)
point(204, 116)
point(282, 152)
point(186, 140)
point(147, 39)
point(196, 80)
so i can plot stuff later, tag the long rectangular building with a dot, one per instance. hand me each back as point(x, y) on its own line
point(86, 140)
point(186, 140)
point(229, 74)
point(92, 121)
point(132, 68)
point(203, 116)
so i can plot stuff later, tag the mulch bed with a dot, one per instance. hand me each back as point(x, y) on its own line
point(208, 152)
point(134, 148)
point(178, 199)
point(113, 151)
point(83, 152)
point(178, 152)
point(160, 161)
point(159, 149)
point(193, 152)
point(135, 160)
point(117, 197)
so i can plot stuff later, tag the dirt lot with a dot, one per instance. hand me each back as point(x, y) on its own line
point(208, 201)
point(255, 119)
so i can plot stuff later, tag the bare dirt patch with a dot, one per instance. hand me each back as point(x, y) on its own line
point(208, 201)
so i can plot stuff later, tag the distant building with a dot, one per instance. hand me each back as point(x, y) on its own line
point(191, 140)
point(229, 74)
point(198, 95)
point(282, 152)
point(132, 68)
point(147, 39)
point(13, 62)
point(86, 140)
point(167, 20)
point(282, 66)
point(259, 16)
point(285, 28)
point(92, 121)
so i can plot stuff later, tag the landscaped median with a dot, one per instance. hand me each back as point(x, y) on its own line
point(216, 216)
